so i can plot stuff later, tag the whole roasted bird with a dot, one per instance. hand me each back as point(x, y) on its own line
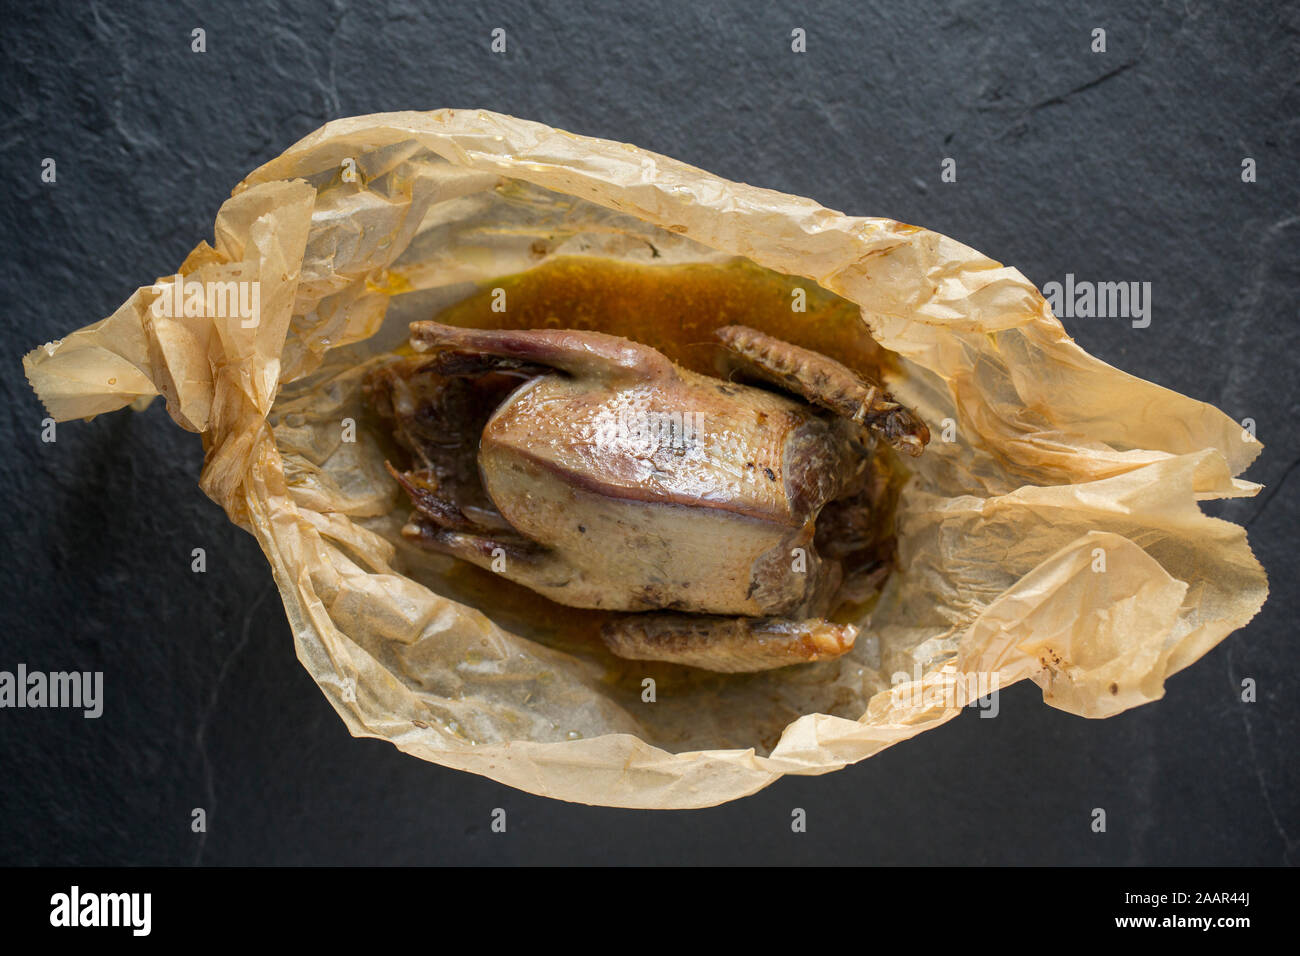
point(598, 473)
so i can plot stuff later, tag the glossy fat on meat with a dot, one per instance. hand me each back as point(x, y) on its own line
point(702, 513)
point(728, 645)
point(688, 440)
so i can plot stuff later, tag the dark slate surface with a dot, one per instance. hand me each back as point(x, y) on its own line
point(1123, 165)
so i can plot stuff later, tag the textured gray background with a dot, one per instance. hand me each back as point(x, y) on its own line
point(1122, 166)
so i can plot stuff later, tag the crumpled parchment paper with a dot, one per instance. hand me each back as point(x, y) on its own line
point(1055, 536)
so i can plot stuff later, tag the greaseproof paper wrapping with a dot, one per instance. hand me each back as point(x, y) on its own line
point(1055, 535)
